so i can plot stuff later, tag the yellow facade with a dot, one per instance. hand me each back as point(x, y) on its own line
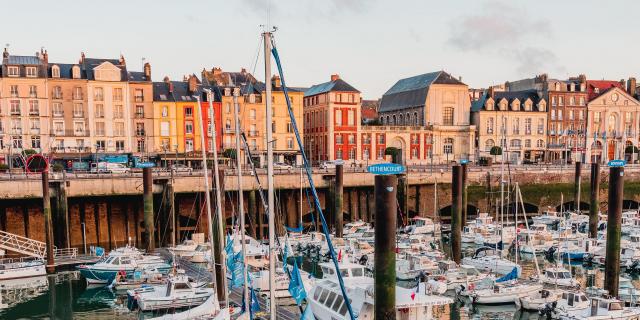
point(165, 127)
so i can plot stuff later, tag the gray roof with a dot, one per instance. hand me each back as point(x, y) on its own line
point(137, 76)
point(337, 85)
point(65, 70)
point(30, 60)
point(181, 93)
point(412, 92)
point(522, 96)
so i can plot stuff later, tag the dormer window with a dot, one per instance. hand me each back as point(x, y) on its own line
point(557, 86)
point(527, 105)
point(503, 105)
point(55, 72)
point(227, 92)
point(515, 105)
point(542, 106)
point(596, 90)
point(32, 72)
point(75, 72)
point(13, 71)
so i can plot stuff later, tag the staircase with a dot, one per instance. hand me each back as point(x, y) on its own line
point(23, 245)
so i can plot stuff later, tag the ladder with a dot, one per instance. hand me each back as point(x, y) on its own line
point(15, 243)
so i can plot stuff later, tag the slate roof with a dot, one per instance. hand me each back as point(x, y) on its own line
point(337, 85)
point(65, 70)
point(28, 60)
point(412, 92)
point(180, 92)
point(89, 63)
point(522, 96)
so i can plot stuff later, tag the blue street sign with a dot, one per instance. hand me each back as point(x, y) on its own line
point(617, 163)
point(464, 161)
point(385, 168)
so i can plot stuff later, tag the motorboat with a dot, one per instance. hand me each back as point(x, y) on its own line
point(537, 300)
point(420, 225)
point(179, 292)
point(486, 259)
point(490, 291)
point(123, 260)
point(548, 218)
point(558, 276)
point(259, 274)
point(14, 268)
point(570, 302)
point(626, 291)
point(186, 248)
point(327, 302)
point(148, 277)
point(601, 308)
point(201, 254)
point(460, 277)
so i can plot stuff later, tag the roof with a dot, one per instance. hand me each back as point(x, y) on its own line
point(65, 70)
point(89, 63)
point(180, 92)
point(522, 96)
point(602, 86)
point(137, 76)
point(412, 92)
point(31, 60)
point(331, 86)
point(369, 109)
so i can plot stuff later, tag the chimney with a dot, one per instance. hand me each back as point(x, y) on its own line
point(622, 83)
point(168, 83)
point(193, 84)
point(631, 86)
point(147, 71)
point(490, 92)
point(217, 71)
point(122, 61)
point(334, 77)
point(275, 81)
point(243, 70)
point(81, 58)
point(45, 57)
point(506, 86)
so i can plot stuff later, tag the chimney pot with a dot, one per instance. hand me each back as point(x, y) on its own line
point(147, 71)
point(335, 77)
point(631, 86)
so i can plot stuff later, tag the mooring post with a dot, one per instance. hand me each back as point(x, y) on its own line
point(595, 200)
point(385, 244)
point(465, 200)
point(614, 221)
point(576, 187)
point(456, 212)
point(149, 229)
point(402, 198)
point(254, 216)
point(338, 200)
point(175, 237)
point(48, 227)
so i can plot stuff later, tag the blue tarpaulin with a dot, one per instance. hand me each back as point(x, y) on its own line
point(509, 276)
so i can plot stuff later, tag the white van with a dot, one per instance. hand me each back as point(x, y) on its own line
point(108, 167)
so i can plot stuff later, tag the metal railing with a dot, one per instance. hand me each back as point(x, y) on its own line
point(23, 245)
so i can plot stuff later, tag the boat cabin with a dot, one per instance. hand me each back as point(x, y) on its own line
point(557, 273)
point(347, 270)
point(603, 307)
point(178, 285)
point(573, 298)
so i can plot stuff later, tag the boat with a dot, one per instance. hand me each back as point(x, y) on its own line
point(179, 292)
point(327, 303)
point(558, 276)
point(259, 275)
point(490, 291)
point(570, 302)
point(538, 300)
point(626, 291)
point(124, 260)
point(201, 253)
point(210, 309)
point(548, 218)
point(601, 308)
point(187, 247)
point(420, 225)
point(459, 277)
point(485, 259)
point(14, 268)
point(148, 277)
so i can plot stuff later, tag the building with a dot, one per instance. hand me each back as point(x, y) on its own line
point(567, 110)
point(252, 104)
point(369, 112)
point(331, 122)
point(140, 96)
point(515, 121)
point(613, 119)
point(24, 105)
point(441, 103)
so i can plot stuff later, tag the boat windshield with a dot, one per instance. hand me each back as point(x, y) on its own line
point(471, 271)
point(419, 223)
point(564, 275)
point(614, 305)
point(357, 272)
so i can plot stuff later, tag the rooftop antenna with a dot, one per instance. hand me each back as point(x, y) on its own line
point(143, 60)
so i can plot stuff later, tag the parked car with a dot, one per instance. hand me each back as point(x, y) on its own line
point(109, 167)
point(178, 168)
point(282, 166)
point(330, 164)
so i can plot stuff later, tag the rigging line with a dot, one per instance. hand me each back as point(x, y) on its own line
point(257, 55)
point(274, 52)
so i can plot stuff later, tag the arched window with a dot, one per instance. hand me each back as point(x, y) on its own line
point(55, 72)
point(382, 120)
point(407, 119)
point(448, 146)
point(75, 72)
point(388, 120)
point(415, 119)
point(612, 124)
point(400, 120)
point(489, 144)
point(393, 121)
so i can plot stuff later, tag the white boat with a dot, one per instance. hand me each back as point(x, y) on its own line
point(178, 292)
point(626, 291)
point(122, 260)
point(558, 276)
point(21, 268)
point(460, 277)
point(570, 302)
point(421, 225)
point(548, 218)
point(600, 309)
point(538, 300)
point(489, 291)
point(186, 248)
point(210, 309)
point(327, 303)
point(485, 259)
point(259, 274)
point(201, 254)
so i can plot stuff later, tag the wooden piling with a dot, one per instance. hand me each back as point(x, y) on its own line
point(385, 244)
point(48, 227)
point(614, 232)
point(338, 200)
point(576, 186)
point(595, 200)
point(456, 212)
point(149, 228)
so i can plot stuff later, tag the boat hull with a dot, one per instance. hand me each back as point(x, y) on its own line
point(23, 272)
point(104, 276)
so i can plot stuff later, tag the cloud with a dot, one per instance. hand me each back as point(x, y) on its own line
point(536, 60)
point(306, 8)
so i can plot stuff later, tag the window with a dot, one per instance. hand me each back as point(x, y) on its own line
point(596, 117)
point(253, 131)
point(138, 95)
point(13, 71)
point(554, 101)
point(559, 114)
point(338, 97)
point(350, 117)
point(32, 72)
point(289, 143)
point(448, 146)
point(582, 101)
point(540, 143)
point(289, 127)
point(338, 139)
point(273, 127)
point(119, 145)
point(140, 145)
point(99, 128)
point(80, 144)
point(381, 139)
point(77, 110)
point(98, 94)
point(77, 93)
point(527, 143)
point(188, 145)
point(57, 109)
point(553, 114)
point(16, 126)
point(516, 126)
point(118, 112)
point(628, 117)
point(338, 117)
point(414, 153)
point(188, 112)
point(99, 111)
point(527, 126)
point(14, 91)
point(35, 125)
point(515, 144)
point(15, 107)
point(380, 154)
point(447, 117)
point(489, 144)
point(16, 141)
point(572, 101)
point(78, 128)
point(75, 72)
point(165, 111)
point(561, 101)
point(33, 91)
point(571, 114)
point(118, 129)
point(339, 154)
point(252, 114)
point(100, 145)
point(365, 154)
point(188, 127)
point(581, 115)
point(57, 92)
point(55, 72)
point(139, 112)
point(164, 128)
point(34, 108)
point(490, 125)
point(58, 128)
point(352, 139)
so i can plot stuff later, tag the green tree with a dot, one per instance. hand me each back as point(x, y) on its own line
point(495, 151)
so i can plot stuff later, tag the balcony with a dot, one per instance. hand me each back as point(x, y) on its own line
point(140, 132)
point(34, 112)
point(139, 115)
point(78, 114)
point(15, 112)
point(58, 113)
point(139, 99)
point(77, 97)
point(57, 96)
point(229, 130)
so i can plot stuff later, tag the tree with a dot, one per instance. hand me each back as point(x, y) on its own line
point(495, 151)
point(28, 152)
point(229, 153)
point(631, 149)
point(394, 153)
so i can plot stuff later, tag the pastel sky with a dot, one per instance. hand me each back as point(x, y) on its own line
point(370, 43)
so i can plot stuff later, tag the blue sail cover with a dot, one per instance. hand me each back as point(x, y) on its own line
point(307, 314)
point(296, 287)
point(509, 276)
point(298, 229)
point(229, 246)
point(254, 305)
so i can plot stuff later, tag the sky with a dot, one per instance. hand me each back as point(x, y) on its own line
point(371, 44)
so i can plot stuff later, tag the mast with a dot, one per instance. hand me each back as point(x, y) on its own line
point(504, 129)
point(207, 191)
point(236, 115)
point(270, 195)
